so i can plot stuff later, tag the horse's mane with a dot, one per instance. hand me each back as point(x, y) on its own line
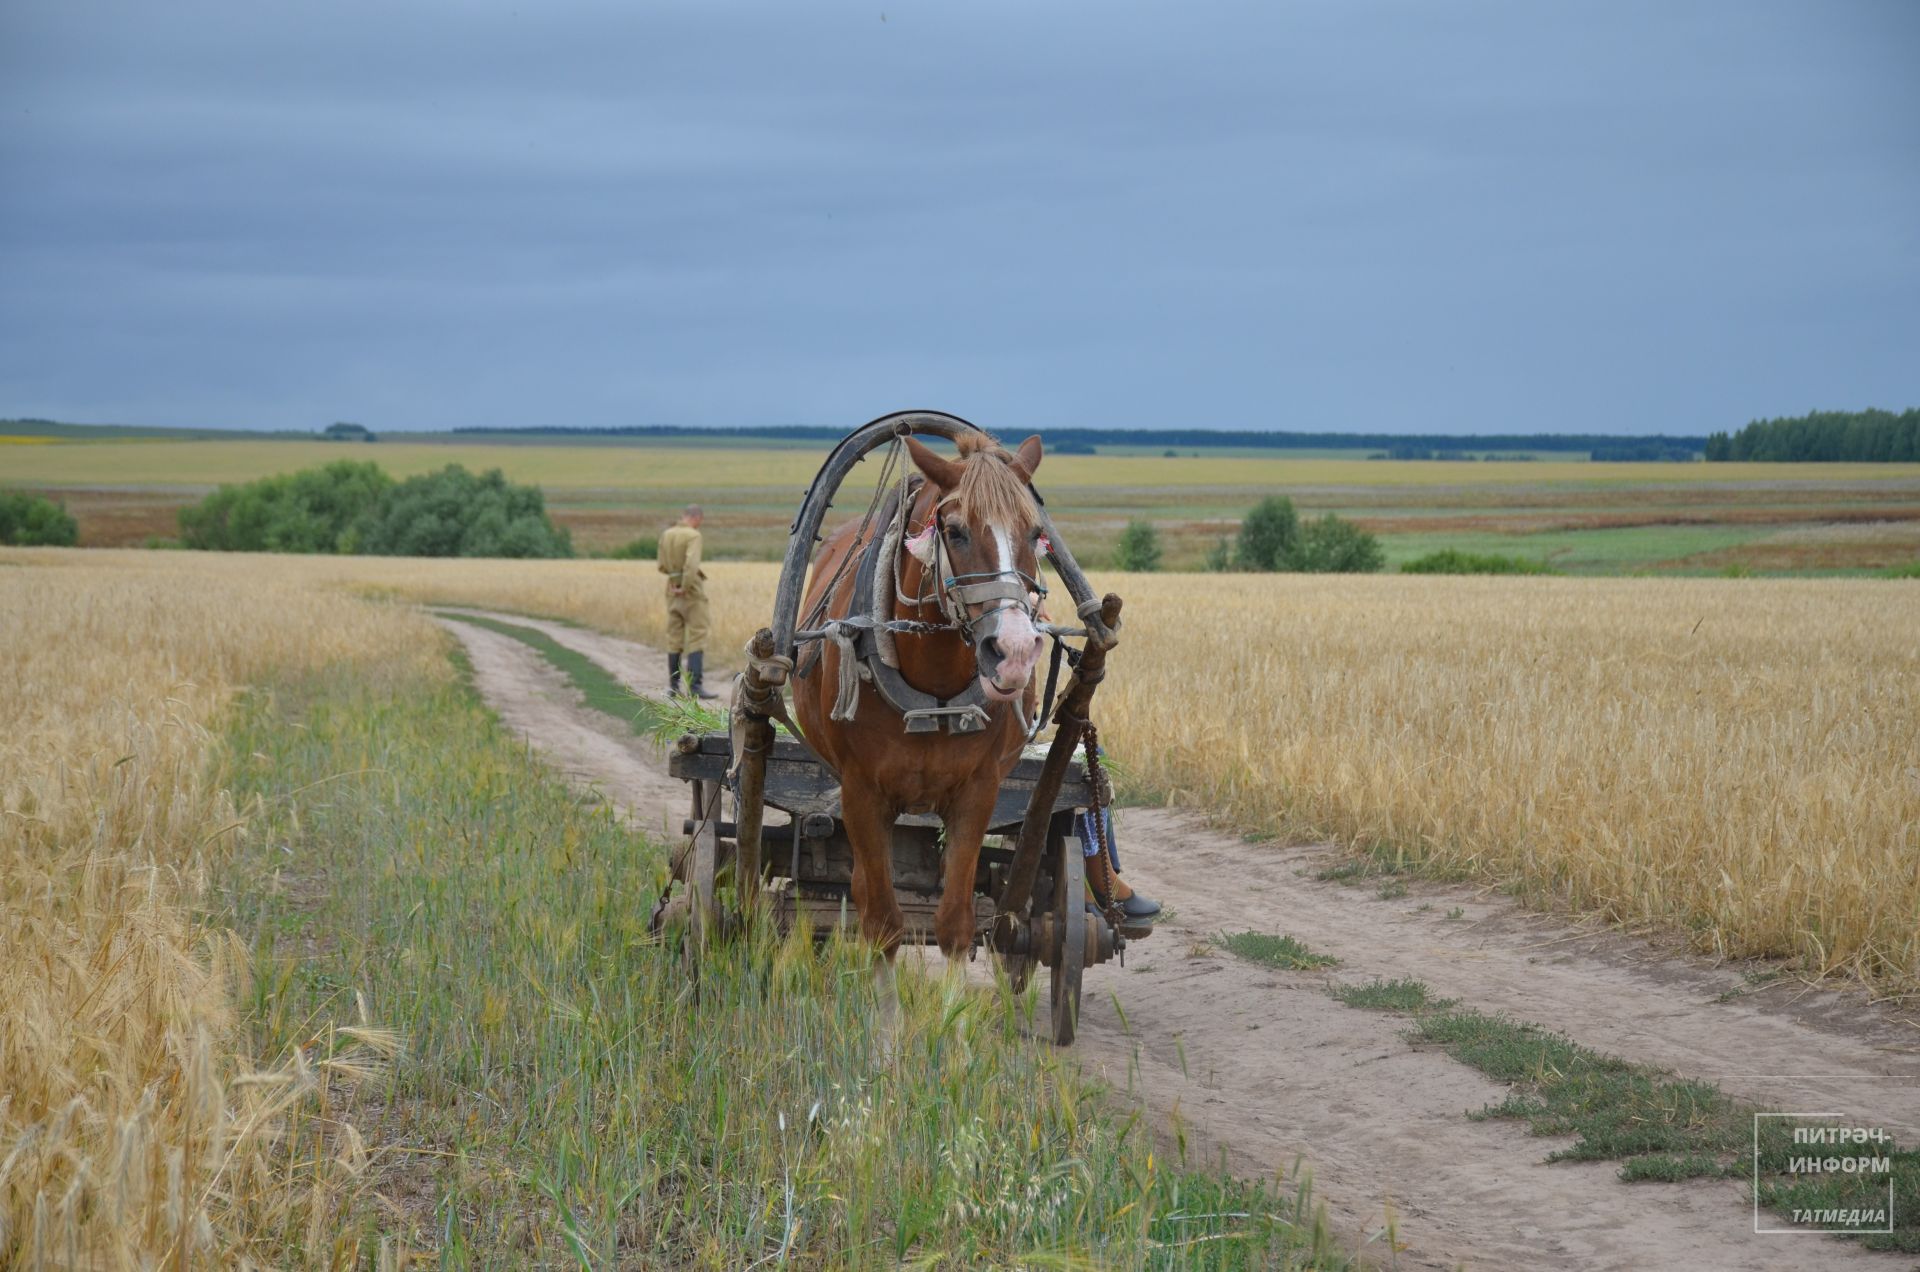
point(991, 492)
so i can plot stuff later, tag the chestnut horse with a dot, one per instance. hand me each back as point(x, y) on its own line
point(970, 555)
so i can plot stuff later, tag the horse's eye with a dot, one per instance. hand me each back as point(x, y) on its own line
point(956, 534)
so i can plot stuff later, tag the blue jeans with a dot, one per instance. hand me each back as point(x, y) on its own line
point(1090, 842)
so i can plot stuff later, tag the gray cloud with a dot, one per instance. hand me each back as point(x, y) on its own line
point(1473, 216)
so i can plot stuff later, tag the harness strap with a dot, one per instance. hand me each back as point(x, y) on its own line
point(863, 638)
point(1046, 701)
point(995, 589)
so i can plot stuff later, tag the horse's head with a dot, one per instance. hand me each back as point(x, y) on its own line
point(982, 546)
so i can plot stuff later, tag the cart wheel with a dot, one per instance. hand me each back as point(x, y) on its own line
point(703, 866)
point(1070, 937)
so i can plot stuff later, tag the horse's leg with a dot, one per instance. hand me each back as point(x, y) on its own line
point(966, 820)
point(869, 823)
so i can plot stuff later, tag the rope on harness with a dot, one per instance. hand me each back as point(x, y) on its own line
point(847, 700)
point(773, 670)
point(768, 701)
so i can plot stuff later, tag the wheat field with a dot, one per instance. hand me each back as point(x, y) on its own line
point(1738, 760)
point(1735, 760)
point(139, 1128)
point(137, 1132)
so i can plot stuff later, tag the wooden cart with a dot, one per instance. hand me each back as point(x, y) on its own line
point(1030, 893)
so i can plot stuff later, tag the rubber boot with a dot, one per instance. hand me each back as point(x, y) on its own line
point(673, 675)
point(695, 689)
point(1134, 903)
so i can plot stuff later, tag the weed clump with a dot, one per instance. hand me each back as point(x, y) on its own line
point(1275, 951)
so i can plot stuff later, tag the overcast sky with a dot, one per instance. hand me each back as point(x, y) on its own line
point(1430, 217)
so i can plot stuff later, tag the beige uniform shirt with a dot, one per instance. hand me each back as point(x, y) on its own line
point(680, 558)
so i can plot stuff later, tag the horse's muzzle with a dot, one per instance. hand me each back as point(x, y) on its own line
point(1007, 646)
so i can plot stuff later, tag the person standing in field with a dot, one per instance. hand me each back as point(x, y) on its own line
point(687, 612)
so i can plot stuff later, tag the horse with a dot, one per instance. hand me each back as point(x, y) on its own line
point(968, 566)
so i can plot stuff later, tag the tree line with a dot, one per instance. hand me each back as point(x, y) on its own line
point(1083, 440)
point(1871, 436)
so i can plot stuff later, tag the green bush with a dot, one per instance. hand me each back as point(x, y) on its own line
point(645, 548)
point(1219, 558)
point(1138, 551)
point(1269, 537)
point(453, 513)
point(308, 511)
point(356, 507)
point(1272, 538)
point(1454, 561)
point(1911, 570)
point(1333, 546)
point(34, 521)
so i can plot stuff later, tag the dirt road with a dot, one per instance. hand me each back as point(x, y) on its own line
point(1267, 1068)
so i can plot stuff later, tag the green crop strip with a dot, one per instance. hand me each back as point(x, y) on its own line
point(571, 1094)
point(596, 684)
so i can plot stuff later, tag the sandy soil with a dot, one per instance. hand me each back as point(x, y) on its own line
point(1267, 1069)
point(538, 702)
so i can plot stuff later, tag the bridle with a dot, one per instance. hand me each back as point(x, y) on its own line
point(996, 590)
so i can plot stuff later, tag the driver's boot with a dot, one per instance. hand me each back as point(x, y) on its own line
point(673, 675)
point(695, 687)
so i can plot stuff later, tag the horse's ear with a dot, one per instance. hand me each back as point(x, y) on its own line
point(944, 473)
point(1026, 460)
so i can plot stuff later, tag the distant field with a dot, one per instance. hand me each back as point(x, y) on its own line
point(652, 467)
point(1581, 517)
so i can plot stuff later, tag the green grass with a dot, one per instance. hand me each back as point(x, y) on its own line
point(1275, 951)
point(1606, 551)
point(1454, 561)
point(1661, 1127)
point(1911, 570)
point(570, 1095)
point(1670, 1168)
point(602, 691)
point(1614, 1108)
point(1390, 995)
